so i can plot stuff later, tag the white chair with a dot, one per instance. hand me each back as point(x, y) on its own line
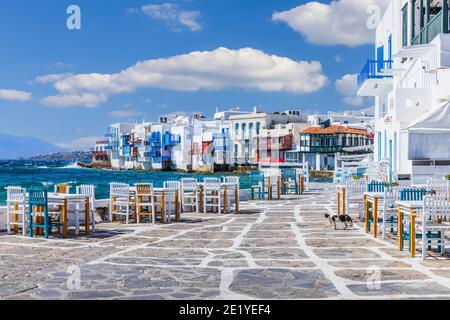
point(16, 209)
point(439, 187)
point(233, 189)
point(121, 201)
point(212, 195)
point(389, 210)
point(422, 179)
point(189, 194)
point(89, 191)
point(145, 201)
point(354, 195)
point(435, 209)
point(171, 199)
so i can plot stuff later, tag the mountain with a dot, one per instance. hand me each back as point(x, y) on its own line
point(67, 157)
point(14, 147)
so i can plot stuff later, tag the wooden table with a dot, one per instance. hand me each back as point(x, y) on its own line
point(341, 190)
point(371, 198)
point(408, 209)
point(63, 201)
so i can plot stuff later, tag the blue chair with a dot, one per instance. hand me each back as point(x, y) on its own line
point(289, 181)
point(376, 186)
point(257, 185)
point(38, 216)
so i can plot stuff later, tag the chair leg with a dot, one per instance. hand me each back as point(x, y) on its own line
point(8, 227)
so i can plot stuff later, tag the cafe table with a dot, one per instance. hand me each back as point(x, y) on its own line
point(408, 209)
point(63, 201)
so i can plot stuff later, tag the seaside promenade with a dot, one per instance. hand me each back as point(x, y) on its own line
point(272, 250)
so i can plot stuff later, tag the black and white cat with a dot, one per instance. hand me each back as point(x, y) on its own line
point(343, 218)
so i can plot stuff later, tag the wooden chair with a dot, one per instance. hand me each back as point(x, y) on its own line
point(16, 207)
point(39, 215)
point(233, 192)
point(145, 202)
point(62, 188)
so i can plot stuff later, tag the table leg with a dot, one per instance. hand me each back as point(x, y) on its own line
point(279, 188)
point(366, 206)
point(338, 203)
point(201, 199)
point(375, 217)
point(236, 197)
point(87, 215)
point(225, 202)
point(64, 219)
point(269, 190)
point(400, 229)
point(113, 210)
point(177, 209)
point(299, 185)
point(163, 208)
point(412, 235)
point(16, 218)
point(343, 201)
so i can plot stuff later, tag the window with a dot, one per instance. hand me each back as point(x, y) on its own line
point(236, 128)
point(258, 128)
point(405, 25)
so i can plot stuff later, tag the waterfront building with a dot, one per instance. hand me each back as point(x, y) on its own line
point(341, 118)
point(410, 80)
point(100, 151)
point(321, 145)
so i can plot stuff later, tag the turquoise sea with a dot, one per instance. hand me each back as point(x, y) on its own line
point(26, 174)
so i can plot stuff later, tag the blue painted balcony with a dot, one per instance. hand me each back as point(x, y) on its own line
point(375, 78)
point(171, 139)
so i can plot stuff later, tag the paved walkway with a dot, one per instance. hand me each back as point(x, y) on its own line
point(273, 250)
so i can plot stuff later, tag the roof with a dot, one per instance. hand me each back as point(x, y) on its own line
point(334, 129)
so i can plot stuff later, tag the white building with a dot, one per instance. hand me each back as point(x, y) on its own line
point(340, 118)
point(244, 128)
point(410, 80)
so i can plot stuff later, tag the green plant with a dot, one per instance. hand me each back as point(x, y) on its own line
point(356, 178)
point(447, 177)
point(392, 184)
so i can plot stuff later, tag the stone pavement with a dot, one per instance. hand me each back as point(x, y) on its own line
point(273, 250)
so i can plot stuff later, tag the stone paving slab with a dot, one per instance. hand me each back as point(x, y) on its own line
point(281, 249)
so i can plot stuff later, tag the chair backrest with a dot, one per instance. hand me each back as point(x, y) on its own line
point(356, 187)
point(37, 197)
point(436, 206)
point(412, 194)
point(421, 179)
point(211, 184)
point(172, 185)
point(144, 189)
point(62, 188)
point(189, 184)
point(438, 185)
point(391, 195)
point(231, 180)
point(119, 189)
point(15, 194)
point(256, 178)
point(288, 173)
point(86, 190)
point(376, 186)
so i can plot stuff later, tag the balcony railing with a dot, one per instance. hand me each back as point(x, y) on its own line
point(374, 69)
point(432, 29)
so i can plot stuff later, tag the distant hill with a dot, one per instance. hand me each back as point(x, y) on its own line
point(67, 157)
point(13, 147)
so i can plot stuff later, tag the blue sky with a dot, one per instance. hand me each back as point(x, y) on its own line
point(115, 35)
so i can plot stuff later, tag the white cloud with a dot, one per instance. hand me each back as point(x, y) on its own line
point(220, 69)
point(348, 87)
point(125, 114)
point(89, 100)
point(50, 78)
point(173, 16)
point(62, 65)
point(14, 95)
point(81, 144)
point(342, 22)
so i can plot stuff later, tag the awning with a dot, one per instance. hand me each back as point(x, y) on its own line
point(429, 136)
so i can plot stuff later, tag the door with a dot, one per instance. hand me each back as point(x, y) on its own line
point(380, 59)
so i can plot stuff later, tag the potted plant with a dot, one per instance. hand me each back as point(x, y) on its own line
point(447, 177)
